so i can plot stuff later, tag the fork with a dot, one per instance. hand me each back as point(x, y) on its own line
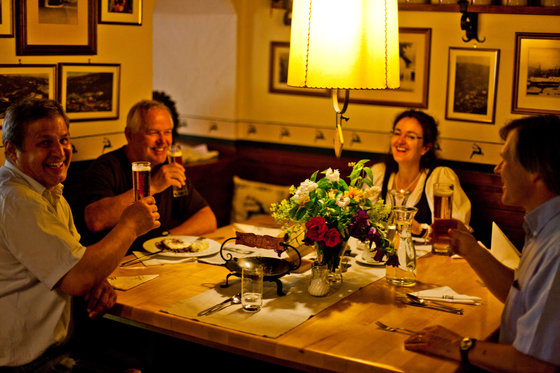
point(391, 329)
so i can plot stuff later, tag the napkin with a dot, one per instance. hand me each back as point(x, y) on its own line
point(159, 260)
point(128, 282)
point(446, 294)
point(502, 248)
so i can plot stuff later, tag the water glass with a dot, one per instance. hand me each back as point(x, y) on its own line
point(251, 287)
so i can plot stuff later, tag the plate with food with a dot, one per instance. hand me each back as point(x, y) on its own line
point(182, 246)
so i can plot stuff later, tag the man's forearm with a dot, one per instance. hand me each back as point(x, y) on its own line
point(105, 213)
point(497, 277)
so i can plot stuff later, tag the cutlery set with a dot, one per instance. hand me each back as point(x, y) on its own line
point(414, 300)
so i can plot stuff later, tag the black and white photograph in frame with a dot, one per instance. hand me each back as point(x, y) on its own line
point(56, 27)
point(536, 88)
point(89, 91)
point(472, 82)
point(18, 82)
point(6, 18)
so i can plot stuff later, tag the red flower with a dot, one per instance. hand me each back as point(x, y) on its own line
point(316, 229)
point(332, 238)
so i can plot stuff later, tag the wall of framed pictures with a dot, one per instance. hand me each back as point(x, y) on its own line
point(269, 111)
point(94, 57)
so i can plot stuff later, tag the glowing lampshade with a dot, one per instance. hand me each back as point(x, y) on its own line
point(344, 44)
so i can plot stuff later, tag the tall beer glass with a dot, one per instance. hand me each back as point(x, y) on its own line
point(175, 155)
point(141, 179)
point(443, 210)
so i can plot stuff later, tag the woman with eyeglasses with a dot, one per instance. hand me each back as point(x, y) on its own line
point(411, 166)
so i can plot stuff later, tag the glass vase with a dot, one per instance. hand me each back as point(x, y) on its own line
point(405, 273)
point(319, 284)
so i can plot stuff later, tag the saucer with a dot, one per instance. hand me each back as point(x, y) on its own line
point(361, 260)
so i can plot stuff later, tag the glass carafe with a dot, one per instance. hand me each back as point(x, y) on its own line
point(398, 197)
point(405, 273)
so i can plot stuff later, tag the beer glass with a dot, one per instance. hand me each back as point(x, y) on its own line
point(141, 179)
point(175, 155)
point(443, 211)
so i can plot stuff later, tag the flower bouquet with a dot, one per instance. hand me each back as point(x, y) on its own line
point(328, 211)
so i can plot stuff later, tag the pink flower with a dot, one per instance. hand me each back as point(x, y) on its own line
point(316, 229)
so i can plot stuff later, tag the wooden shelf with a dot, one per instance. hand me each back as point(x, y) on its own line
point(494, 9)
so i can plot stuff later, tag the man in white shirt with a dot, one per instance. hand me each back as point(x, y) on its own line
point(42, 263)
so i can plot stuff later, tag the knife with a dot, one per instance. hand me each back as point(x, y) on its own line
point(140, 258)
point(416, 301)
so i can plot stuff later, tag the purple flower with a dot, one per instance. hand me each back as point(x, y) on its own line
point(359, 224)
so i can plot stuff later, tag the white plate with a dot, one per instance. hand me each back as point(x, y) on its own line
point(213, 247)
point(361, 260)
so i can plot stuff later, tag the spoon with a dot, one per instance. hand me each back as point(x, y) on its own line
point(391, 329)
point(236, 299)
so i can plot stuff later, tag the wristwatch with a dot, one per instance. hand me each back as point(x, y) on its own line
point(465, 346)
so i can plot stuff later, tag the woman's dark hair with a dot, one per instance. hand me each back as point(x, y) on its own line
point(537, 146)
point(430, 138)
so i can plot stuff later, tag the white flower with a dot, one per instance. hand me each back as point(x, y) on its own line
point(371, 193)
point(332, 175)
point(302, 193)
point(342, 201)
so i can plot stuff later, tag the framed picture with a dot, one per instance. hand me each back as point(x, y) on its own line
point(56, 27)
point(25, 81)
point(536, 85)
point(120, 11)
point(89, 91)
point(414, 53)
point(471, 84)
point(6, 18)
point(278, 79)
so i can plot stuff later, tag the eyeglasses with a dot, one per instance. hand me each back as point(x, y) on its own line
point(408, 136)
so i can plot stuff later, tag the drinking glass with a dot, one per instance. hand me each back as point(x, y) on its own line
point(141, 179)
point(251, 287)
point(175, 155)
point(443, 211)
point(405, 273)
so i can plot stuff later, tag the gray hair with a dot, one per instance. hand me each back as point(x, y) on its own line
point(137, 115)
point(20, 115)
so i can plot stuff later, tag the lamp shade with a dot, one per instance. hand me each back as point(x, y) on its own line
point(344, 44)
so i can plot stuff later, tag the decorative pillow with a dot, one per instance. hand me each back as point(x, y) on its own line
point(254, 198)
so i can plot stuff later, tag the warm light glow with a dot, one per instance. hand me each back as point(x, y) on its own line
point(345, 44)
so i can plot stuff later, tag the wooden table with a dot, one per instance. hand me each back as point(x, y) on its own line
point(342, 338)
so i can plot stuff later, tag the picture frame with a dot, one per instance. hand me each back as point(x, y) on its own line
point(6, 18)
point(414, 50)
point(23, 81)
point(54, 27)
point(536, 82)
point(471, 84)
point(127, 12)
point(89, 91)
point(278, 73)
